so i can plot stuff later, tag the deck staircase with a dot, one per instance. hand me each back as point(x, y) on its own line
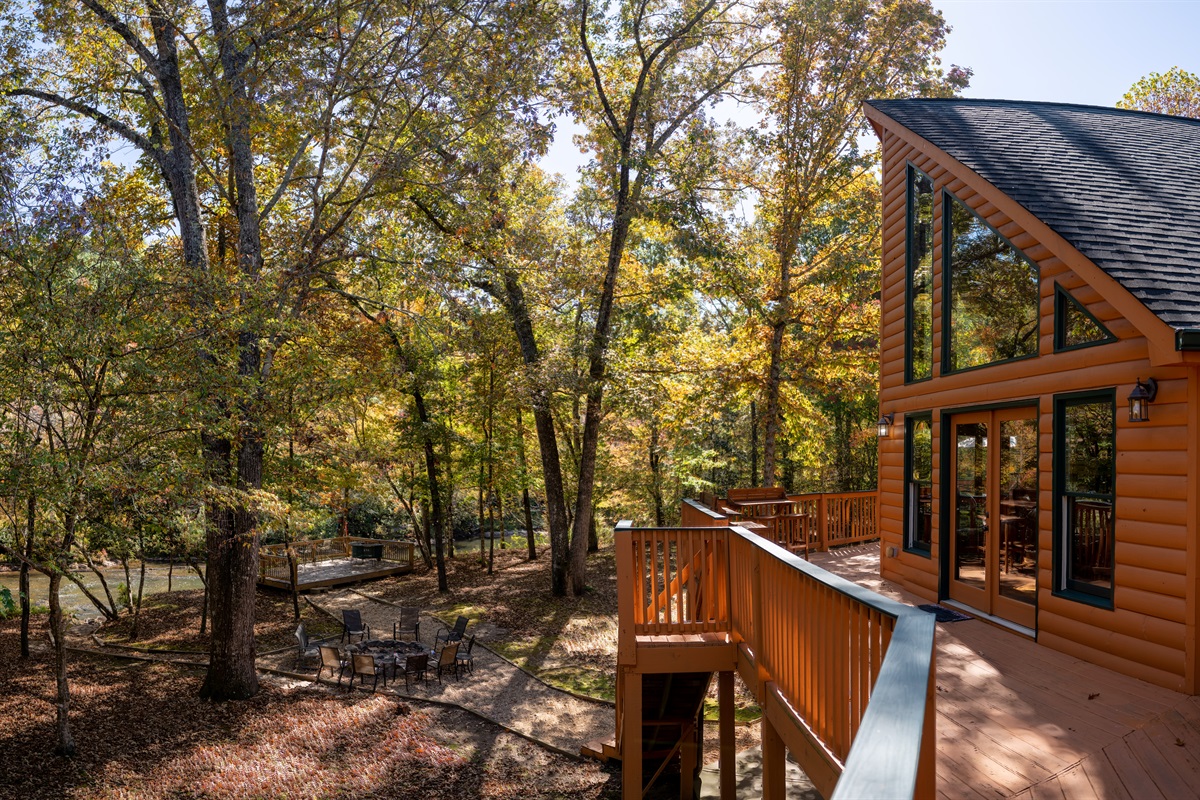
point(673, 704)
point(844, 676)
point(673, 718)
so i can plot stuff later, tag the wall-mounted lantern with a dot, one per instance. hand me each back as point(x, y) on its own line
point(885, 425)
point(1140, 399)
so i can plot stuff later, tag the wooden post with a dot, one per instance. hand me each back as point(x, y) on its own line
point(773, 762)
point(631, 738)
point(822, 524)
point(728, 741)
point(927, 759)
point(625, 593)
point(687, 759)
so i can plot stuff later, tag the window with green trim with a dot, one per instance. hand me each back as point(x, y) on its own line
point(1073, 325)
point(919, 276)
point(1085, 492)
point(991, 293)
point(918, 481)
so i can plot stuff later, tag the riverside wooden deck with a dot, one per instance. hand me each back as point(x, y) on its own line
point(320, 563)
point(1015, 719)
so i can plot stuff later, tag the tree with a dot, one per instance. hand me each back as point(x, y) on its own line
point(647, 72)
point(84, 362)
point(1176, 92)
point(274, 130)
point(829, 56)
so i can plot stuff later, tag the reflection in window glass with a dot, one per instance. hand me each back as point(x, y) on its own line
point(1076, 327)
point(919, 481)
point(920, 275)
point(993, 293)
point(970, 503)
point(1087, 494)
point(1019, 509)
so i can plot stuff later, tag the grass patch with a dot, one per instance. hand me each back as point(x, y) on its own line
point(742, 714)
point(582, 680)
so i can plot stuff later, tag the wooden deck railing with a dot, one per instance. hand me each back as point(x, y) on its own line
point(844, 675)
point(820, 520)
point(273, 559)
point(843, 518)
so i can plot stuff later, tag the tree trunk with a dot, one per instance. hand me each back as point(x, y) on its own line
point(556, 506)
point(656, 474)
point(491, 557)
point(23, 585)
point(597, 353)
point(530, 538)
point(449, 490)
point(110, 612)
point(294, 569)
point(754, 444)
point(431, 474)
point(785, 248)
point(62, 706)
point(232, 583)
point(137, 606)
point(128, 584)
point(233, 530)
point(204, 598)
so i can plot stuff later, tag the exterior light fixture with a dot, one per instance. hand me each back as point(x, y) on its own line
point(885, 425)
point(1140, 399)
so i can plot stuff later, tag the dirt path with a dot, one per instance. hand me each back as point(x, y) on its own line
point(496, 689)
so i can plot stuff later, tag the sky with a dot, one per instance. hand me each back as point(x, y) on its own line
point(1070, 51)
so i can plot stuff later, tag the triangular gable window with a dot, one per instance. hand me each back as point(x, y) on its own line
point(1074, 326)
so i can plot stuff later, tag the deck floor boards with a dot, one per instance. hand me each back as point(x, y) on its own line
point(337, 571)
point(1017, 719)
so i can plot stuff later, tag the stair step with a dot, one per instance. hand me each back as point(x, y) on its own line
point(601, 749)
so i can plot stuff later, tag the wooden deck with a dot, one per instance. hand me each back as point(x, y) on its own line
point(338, 571)
point(318, 563)
point(1016, 719)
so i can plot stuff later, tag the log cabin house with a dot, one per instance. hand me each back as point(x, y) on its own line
point(1040, 373)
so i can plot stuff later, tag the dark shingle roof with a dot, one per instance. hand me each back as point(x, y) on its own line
point(1123, 187)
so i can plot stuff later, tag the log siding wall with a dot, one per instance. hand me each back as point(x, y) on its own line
point(1150, 631)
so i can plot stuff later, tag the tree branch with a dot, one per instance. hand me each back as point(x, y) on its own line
point(114, 125)
point(125, 32)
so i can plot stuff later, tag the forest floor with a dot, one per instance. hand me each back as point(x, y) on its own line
point(141, 731)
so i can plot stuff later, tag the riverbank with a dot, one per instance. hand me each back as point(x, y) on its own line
point(159, 576)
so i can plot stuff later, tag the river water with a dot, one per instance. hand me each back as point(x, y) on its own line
point(74, 602)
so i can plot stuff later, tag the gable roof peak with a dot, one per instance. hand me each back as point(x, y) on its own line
point(1122, 187)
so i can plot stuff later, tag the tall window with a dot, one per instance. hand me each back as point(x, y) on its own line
point(918, 481)
point(1085, 430)
point(919, 283)
point(992, 293)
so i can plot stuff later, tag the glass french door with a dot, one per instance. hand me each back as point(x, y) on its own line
point(994, 513)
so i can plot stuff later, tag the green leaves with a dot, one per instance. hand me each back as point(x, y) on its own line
point(1176, 92)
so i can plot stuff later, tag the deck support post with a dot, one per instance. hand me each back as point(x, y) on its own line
point(927, 759)
point(773, 762)
point(728, 741)
point(631, 738)
point(687, 759)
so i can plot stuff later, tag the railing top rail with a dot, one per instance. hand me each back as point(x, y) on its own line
point(839, 584)
point(703, 509)
point(884, 760)
point(859, 594)
point(621, 526)
point(815, 495)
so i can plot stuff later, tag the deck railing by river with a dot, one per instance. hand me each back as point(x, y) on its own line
point(275, 568)
point(845, 677)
